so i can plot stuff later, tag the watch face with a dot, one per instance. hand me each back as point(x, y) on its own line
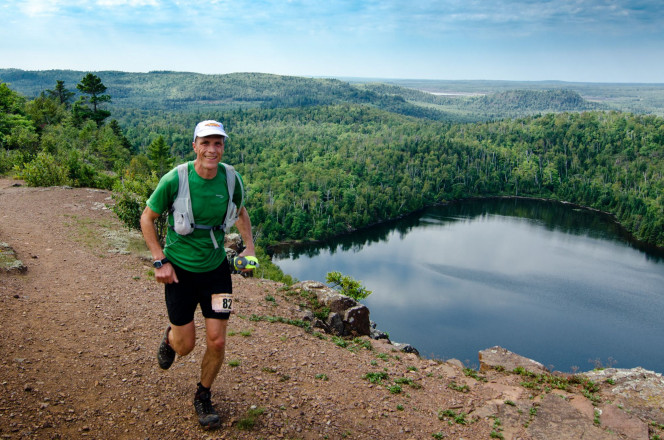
point(157, 264)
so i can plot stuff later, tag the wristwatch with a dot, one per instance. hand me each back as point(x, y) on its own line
point(158, 263)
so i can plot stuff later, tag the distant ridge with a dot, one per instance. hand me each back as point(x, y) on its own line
point(176, 91)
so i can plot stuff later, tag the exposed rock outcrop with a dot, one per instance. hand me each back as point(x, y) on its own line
point(601, 404)
point(9, 262)
point(499, 357)
point(347, 317)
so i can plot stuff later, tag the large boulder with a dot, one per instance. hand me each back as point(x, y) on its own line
point(356, 321)
point(346, 317)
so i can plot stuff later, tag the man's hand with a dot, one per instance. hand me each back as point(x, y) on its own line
point(245, 263)
point(166, 274)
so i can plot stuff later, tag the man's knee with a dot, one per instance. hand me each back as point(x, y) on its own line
point(184, 347)
point(217, 344)
point(182, 339)
point(216, 334)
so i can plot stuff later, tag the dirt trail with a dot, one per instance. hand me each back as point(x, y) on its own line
point(81, 328)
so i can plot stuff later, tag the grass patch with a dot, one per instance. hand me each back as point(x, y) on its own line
point(456, 387)
point(339, 342)
point(296, 322)
point(354, 345)
point(407, 381)
point(311, 302)
point(319, 335)
point(548, 381)
point(376, 377)
point(474, 374)
point(394, 389)
point(495, 432)
point(248, 422)
point(450, 416)
point(531, 416)
point(383, 356)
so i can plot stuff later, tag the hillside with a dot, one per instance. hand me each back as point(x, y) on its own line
point(83, 322)
point(178, 91)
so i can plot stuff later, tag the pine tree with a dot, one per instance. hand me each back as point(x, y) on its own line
point(160, 156)
point(61, 93)
point(93, 94)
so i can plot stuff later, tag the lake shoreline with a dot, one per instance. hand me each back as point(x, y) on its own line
point(470, 264)
point(626, 234)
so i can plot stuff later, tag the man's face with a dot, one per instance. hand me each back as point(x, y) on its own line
point(209, 150)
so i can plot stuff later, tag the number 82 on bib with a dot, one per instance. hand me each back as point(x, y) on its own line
point(221, 302)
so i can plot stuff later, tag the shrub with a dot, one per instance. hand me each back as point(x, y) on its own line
point(80, 173)
point(347, 285)
point(44, 171)
point(10, 159)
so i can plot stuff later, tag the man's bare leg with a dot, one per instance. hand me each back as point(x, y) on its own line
point(214, 353)
point(215, 330)
point(182, 338)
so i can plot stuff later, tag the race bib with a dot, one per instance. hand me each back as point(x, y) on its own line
point(221, 302)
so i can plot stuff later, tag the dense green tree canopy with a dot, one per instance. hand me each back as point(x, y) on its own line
point(323, 167)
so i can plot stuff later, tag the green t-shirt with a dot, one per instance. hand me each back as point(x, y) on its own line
point(209, 200)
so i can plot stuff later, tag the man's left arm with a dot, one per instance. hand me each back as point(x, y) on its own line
point(243, 225)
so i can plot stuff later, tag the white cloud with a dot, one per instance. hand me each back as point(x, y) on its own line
point(132, 3)
point(37, 8)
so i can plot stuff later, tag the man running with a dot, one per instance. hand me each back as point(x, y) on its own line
point(193, 267)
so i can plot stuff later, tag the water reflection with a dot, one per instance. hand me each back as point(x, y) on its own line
point(549, 281)
point(554, 216)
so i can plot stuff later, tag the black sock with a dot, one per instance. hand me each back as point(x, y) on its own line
point(202, 389)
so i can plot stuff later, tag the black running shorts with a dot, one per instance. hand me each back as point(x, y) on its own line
point(196, 288)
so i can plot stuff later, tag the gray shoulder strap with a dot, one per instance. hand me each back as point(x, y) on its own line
point(230, 179)
point(233, 210)
point(183, 200)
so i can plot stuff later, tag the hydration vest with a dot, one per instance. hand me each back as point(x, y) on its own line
point(183, 215)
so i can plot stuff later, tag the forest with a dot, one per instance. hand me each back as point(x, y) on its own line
point(323, 156)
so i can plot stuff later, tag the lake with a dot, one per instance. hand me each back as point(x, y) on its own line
point(555, 283)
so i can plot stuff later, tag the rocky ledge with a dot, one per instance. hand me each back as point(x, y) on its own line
point(526, 400)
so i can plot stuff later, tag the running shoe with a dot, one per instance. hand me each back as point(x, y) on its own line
point(208, 417)
point(165, 354)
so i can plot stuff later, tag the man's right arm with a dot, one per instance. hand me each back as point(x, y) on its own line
point(165, 274)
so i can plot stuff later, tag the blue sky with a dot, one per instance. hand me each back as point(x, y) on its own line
point(567, 40)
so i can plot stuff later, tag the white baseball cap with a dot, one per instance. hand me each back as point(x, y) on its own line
point(209, 128)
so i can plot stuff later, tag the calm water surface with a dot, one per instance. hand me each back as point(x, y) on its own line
point(551, 282)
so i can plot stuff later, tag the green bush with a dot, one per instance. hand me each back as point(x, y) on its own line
point(347, 285)
point(105, 181)
point(10, 159)
point(130, 196)
point(80, 173)
point(44, 171)
point(128, 207)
